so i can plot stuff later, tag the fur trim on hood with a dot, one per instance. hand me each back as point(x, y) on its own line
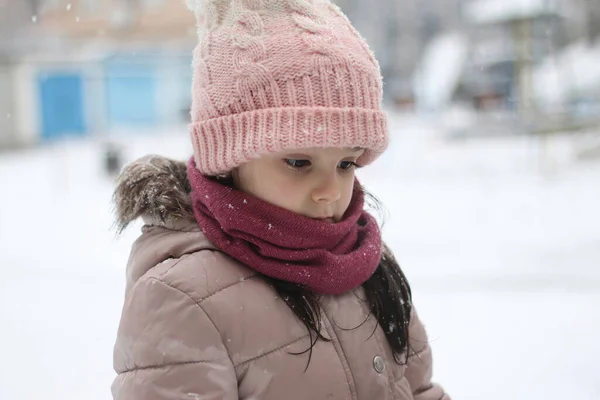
point(154, 188)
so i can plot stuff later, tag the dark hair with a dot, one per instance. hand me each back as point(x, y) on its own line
point(387, 293)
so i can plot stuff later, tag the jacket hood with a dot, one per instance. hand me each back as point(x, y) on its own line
point(157, 190)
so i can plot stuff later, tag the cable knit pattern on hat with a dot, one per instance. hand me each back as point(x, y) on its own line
point(271, 75)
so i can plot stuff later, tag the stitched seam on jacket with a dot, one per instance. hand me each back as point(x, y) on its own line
point(151, 367)
point(197, 302)
point(160, 277)
point(217, 329)
point(445, 395)
point(418, 353)
point(342, 356)
point(203, 310)
point(404, 387)
point(419, 389)
point(149, 226)
point(269, 352)
point(228, 286)
point(181, 258)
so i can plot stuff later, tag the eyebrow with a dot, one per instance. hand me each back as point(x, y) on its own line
point(357, 149)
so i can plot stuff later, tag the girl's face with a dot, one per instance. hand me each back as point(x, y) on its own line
point(314, 182)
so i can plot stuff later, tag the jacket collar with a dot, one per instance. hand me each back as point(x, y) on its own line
point(156, 190)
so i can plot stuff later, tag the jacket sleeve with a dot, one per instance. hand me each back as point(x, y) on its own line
point(420, 364)
point(168, 348)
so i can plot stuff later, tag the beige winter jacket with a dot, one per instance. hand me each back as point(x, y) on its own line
point(197, 324)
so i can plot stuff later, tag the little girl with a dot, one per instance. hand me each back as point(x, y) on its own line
point(258, 274)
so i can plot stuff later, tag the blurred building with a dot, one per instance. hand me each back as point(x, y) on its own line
point(398, 32)
point(124, 21)
point(494, 45)
point(98, 67)
point(14, 40)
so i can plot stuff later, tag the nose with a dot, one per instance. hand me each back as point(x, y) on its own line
point(328, 190)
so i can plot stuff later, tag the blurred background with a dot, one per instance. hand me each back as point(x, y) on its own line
point(491, 181)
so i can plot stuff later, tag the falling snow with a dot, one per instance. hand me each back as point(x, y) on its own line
point(488, 242)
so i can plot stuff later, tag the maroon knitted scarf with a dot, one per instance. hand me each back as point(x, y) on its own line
point(327, 258)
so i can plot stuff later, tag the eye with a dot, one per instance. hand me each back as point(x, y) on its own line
point(347, 165)
point(297, 164)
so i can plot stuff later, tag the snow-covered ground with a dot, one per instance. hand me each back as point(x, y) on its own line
point(501, 242)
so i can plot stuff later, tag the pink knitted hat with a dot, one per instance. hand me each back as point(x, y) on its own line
point(272, 75)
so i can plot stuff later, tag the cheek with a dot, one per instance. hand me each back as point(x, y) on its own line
point(273, 186)
point(346, 195)
point(285, 192)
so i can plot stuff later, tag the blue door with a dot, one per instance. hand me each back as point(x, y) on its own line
point(131, 93)
point(61, 96)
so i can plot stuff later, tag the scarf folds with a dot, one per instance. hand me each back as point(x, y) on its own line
point(324, 257)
